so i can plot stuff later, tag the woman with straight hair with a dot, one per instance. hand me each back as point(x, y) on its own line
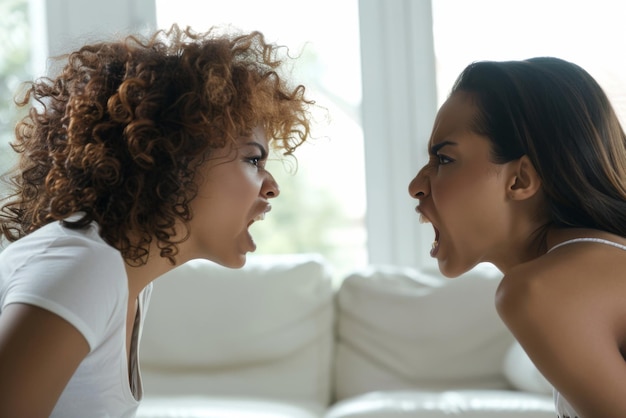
point(527, 170)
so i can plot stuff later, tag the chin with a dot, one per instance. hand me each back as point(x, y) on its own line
point(234, 263)
point(451, 271)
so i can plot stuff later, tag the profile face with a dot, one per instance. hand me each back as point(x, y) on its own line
point(461, 192)
point(234, 192)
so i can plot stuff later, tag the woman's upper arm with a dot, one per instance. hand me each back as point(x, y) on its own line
point(569, 333)
point(39, 352)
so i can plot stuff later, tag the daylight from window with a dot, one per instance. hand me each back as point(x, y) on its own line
point(588, 33)
point(322, 205)
point(14, 68)
point(321, 208)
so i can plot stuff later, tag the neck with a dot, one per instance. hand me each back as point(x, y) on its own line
point(525, 237)
point(141, 276)
point(522, 248)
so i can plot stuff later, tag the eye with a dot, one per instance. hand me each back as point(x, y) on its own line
point(257, 161)
point(443, 159)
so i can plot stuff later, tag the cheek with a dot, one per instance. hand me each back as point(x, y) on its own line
point(469, 201)
point(205, 211)
point(453, 194)
point(227, 200)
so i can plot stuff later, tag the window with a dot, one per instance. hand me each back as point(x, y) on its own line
point(322, 205)
point(587, 33)
point(15, 68)
point(410, 51)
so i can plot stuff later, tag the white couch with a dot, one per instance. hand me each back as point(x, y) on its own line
point(276, 339)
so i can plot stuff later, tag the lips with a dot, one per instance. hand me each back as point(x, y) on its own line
point(261, 215)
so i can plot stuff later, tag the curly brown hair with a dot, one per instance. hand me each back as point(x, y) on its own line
point(119, 134)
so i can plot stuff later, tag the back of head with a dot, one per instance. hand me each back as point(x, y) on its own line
point(554, 112)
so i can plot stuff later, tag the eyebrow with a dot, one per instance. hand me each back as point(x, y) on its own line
point(435, 148)
point(259, 146)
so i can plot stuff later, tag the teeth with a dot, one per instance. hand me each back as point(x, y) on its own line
point(260, 217)
point(435, 243)
point(423, 219)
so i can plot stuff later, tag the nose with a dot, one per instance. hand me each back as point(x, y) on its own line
point(270, 188)
point(419, 187)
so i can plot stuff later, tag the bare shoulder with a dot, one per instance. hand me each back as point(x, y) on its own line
point(586, 281)
point(568, 310)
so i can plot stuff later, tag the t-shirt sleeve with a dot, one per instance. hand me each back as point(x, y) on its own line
point(73, 277)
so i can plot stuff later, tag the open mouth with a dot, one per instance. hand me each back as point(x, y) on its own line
point(261, 215)
point(435, 245)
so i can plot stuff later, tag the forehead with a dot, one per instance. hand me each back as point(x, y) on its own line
point(257, 135)
point(455, 116)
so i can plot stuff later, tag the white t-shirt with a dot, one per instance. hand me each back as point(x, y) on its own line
point(78, 276)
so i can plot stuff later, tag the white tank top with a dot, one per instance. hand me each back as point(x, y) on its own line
point(563, 408)
point(600, 240)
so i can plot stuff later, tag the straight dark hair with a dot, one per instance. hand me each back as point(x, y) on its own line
point(554, 112)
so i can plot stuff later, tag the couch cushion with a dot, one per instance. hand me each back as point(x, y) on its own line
point(226, 407)
point(263, 330)
point(400, 328)
point(522, 373)
point(465, 403)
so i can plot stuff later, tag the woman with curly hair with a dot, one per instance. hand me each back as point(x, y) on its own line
point(140, 155)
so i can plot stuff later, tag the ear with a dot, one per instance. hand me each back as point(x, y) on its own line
point(524, 180)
